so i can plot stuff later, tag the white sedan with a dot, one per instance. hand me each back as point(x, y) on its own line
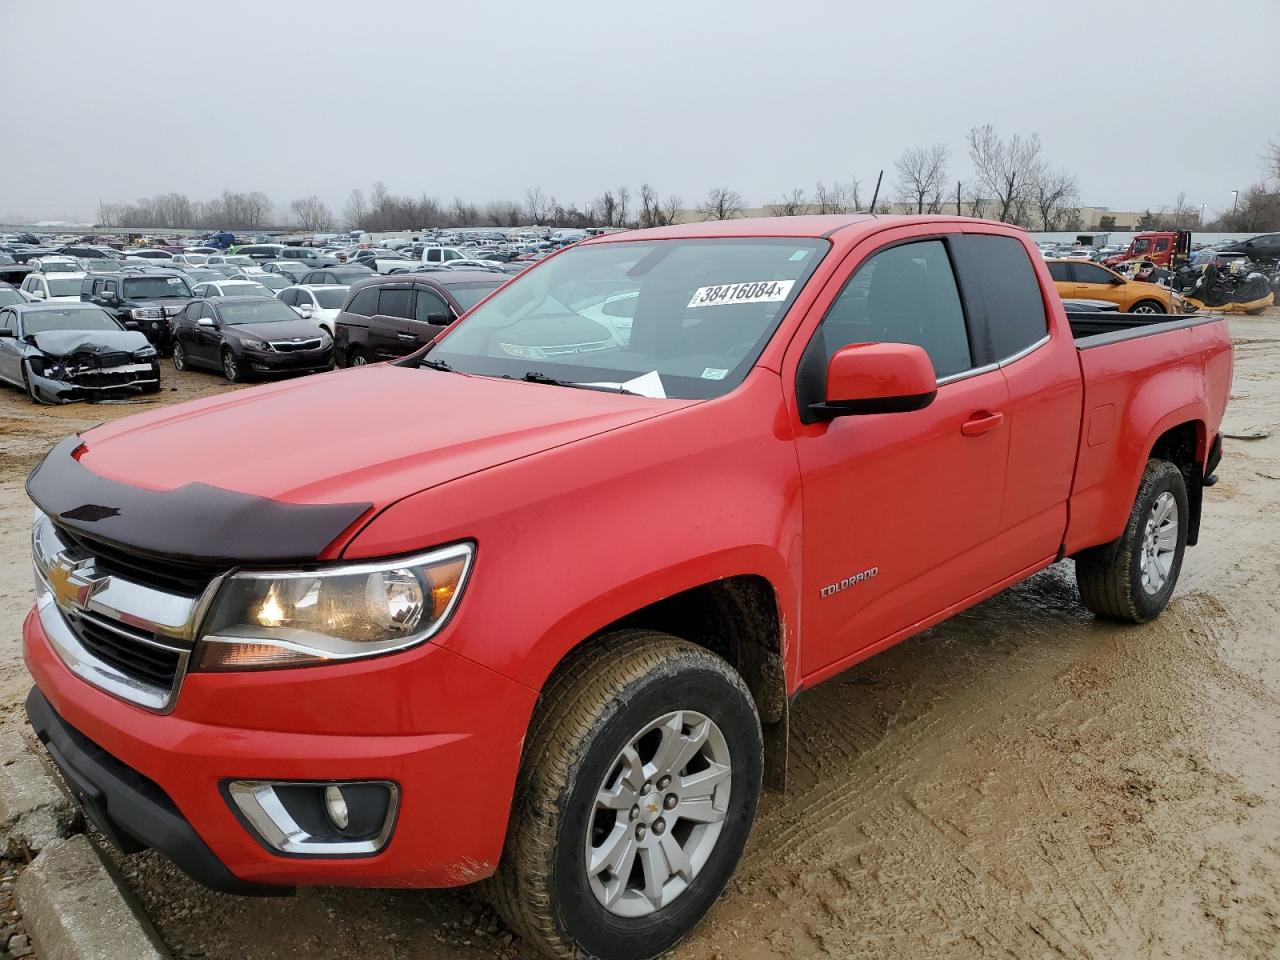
point(318, 302)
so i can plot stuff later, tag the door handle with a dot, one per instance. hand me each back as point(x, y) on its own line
point(406, 336)
point(981, 422)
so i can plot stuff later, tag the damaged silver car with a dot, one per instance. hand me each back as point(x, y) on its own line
point(60, 352)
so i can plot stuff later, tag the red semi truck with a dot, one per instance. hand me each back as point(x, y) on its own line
point(533, 603)
point(1165, 248)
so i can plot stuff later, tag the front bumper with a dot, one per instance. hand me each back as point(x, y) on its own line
point(137, 378)
point(447, 731)
point(299, 361)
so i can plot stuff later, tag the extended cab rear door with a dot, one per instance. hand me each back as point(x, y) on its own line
point(1012, 307)
point(901, 510)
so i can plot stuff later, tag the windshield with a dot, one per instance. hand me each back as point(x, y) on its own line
point(47, 267)
point(261, 311)
point(1140, 246)
point(61, 287)
point(330, 299)
point(156, 288)
point(273, 280)
point(40, 321)
point(469, 294)
point(8, 295)
point(695, 312)
point(239, 260)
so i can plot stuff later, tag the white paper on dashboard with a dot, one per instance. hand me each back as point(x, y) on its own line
point(647, 385)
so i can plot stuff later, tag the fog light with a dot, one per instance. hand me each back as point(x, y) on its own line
point(336, 806)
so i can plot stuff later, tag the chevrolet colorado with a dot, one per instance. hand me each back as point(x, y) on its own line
point(533, 605)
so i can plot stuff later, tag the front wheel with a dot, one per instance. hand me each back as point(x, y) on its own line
point(1148, 306)
point(179, 356)
point(1135, 584)
point(637, 793)
point(231, 367)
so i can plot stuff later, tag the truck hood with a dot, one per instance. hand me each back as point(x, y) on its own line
point(63, 343)
point(368, 435)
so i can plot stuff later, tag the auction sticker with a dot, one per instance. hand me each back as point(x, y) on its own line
point(756, 291)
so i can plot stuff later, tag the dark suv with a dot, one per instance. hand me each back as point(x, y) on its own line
point(140, 301)
point(386, 317)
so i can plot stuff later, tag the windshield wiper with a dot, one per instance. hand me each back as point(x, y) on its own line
point(435, 364)
point(534, 376)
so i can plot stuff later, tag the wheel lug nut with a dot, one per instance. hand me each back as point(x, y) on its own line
point(670, 802)
point(635, 813)
point(647, 787)
point(640, 831)
point(663, 782)
point(658, 826)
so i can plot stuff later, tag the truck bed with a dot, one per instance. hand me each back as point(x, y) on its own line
point(1096, 329)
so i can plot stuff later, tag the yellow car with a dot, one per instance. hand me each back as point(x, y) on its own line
point(1081, 280)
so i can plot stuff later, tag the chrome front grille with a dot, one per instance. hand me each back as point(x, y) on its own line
point(291, 346)
point(129, 638)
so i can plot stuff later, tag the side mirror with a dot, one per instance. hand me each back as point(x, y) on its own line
point(438, 319)
point(877, 378)
point(36, 294)
point(205, 322)
point(305, 310)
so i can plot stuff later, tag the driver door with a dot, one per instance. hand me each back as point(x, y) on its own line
point(901, 510)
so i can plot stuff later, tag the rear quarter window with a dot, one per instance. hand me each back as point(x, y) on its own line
point(1002, 291)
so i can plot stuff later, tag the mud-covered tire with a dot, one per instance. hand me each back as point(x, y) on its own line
point(1113, 587)
point(587, 716)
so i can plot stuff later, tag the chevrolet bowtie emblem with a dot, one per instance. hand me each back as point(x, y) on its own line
point(71, 585)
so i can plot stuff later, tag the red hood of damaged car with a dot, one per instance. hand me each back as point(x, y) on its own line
point(373, 434)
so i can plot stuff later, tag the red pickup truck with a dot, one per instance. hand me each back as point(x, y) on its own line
point(533, 603)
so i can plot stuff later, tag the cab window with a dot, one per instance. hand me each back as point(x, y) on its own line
point(904, 294)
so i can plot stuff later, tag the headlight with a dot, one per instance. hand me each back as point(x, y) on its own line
point(146, 353)
point(250, 344)
point(325, 340)
point(293, 618)
point(146, 313)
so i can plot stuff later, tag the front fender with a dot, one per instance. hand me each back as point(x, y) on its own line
point(572, 539)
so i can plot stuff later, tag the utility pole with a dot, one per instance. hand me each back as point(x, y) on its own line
point(1235, 195)
point(957, 198)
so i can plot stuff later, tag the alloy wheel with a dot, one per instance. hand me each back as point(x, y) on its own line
point(1159, 543)
point(659, 814)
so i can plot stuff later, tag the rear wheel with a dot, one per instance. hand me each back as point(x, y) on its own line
point(1148, 306)
point(1135, 584)
point(357, 357)
point(637, 793)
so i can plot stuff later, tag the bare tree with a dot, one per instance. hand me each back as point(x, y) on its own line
point(1271, 162)
point(536, 205)
point(790, 205)
point(670, 209)
point(921, 172)
point(355, 211)
point(721, 204)
point(835, 198)
point(312, 214)
point(650, 206)
point(1006, 169)
point(1055, 191)
point(623, 217)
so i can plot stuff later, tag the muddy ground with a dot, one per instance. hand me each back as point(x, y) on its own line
point(1023, 781)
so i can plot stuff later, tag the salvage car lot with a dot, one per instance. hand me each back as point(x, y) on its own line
point(1022, 780)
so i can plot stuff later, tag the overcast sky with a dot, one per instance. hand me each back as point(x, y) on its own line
point(483, 99)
